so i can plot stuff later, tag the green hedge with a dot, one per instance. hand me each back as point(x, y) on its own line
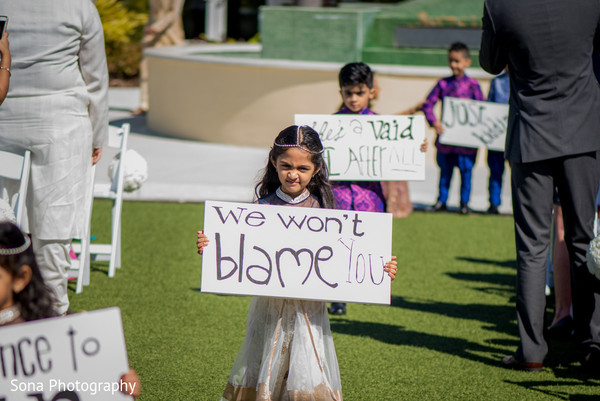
point(123, 23)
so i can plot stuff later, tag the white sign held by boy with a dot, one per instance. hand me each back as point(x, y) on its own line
point(78, 357)
point(296, 252)
point(365, 147)
point(474, 123)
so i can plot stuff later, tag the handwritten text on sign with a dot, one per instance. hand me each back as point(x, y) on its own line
point(78, 357)
point(370, 147)
point(296, 252)
point(474, 124)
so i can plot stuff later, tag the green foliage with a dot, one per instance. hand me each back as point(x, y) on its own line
point(122, 34)
point(140, 6)
point(452, 314)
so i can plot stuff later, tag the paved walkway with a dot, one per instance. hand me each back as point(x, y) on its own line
point(190, 171)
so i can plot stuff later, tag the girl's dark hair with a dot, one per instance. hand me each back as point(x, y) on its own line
point(302, 137)
point(36, 300)
point(353, 74)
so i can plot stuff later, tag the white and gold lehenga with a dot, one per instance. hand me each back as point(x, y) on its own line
point(288, 351)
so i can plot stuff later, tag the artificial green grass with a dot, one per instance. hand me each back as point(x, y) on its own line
point(451, 320)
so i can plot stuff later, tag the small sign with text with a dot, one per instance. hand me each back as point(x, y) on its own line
point(78, 357)
point(360, 147)
point(474, 123)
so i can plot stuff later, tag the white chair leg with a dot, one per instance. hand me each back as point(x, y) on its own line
point(118, 249)
point(115, 237)
point(81, 276)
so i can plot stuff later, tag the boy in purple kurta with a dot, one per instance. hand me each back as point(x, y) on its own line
point(357, 89)
point(448, 156)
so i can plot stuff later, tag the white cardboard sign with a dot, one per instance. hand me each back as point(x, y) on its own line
point(474, 123)
point(370, 147)
point(296, 252)
point(78, 357)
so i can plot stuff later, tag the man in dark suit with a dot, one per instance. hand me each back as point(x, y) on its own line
point(553, 138)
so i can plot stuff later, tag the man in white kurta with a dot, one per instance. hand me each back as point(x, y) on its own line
point(57, 107)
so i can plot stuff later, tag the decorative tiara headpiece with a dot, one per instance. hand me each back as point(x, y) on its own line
point(17, 250)
point(298, 144)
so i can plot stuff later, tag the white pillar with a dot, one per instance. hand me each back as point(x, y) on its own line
point(216, 20)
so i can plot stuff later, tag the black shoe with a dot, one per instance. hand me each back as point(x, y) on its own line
point(493, 210)
point(464, 209)
point(337, 308)
point(590, 363)
point(438, 207)
point(510, 362)
point(561, 330)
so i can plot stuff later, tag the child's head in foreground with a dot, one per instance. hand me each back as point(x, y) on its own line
point(295, 164)
point(21, 282)
point(458, 59)
point(356, 86)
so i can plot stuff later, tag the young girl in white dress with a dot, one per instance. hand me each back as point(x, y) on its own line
point(288, 351)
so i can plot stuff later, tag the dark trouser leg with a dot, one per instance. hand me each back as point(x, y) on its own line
point(532, 190)
point(465, 165)
point(446, 162)
point(577, 181)
point(495, 161)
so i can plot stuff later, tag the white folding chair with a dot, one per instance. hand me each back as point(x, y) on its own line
point(117, 138)
point(81, 266)
point(16, 167)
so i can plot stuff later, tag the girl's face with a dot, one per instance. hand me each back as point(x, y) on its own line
point(10, 284)
point(6, 289)
point(295, 169)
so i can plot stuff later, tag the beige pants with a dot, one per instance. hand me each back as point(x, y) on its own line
point(54, 261)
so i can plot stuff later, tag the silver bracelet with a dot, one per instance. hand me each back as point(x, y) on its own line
point(7, 69)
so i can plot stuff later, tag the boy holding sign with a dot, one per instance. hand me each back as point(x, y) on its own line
point(288, 351)
point(357, 90)
point(448, 156)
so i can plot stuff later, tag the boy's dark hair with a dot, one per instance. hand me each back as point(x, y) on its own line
point(37, 299)
point(307, 138)
point(353, 74)
point(460, 47)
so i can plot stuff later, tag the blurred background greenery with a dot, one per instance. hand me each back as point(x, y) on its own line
point(123, 23)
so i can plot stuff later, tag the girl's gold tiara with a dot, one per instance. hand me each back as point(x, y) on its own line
point(17, 250)
point(298, 144)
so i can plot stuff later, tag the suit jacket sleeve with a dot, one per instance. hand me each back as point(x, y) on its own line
point(92, 64)
point(597, 40)
point(492, 56)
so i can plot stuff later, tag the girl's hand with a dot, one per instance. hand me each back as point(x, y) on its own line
point(439, 128)
point(202, 241)
point(391, 268)
point(424, 146)
point(134, 386)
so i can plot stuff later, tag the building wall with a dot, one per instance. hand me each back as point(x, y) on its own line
point(247, 101)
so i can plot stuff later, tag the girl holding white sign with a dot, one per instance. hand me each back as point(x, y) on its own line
point(25, 297)
point(288, 351)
